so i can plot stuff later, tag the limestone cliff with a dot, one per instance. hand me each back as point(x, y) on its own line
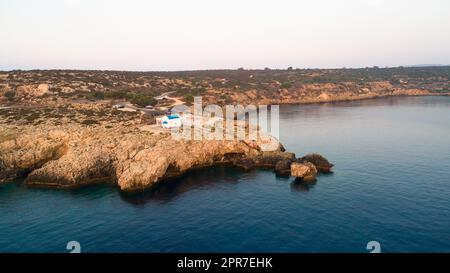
point(73, 156)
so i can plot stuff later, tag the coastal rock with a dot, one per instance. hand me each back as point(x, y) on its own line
point(283, 167)
point(169, 158)
point(22, 153)
point(74, 170)
point(78, 154)
point(321, 163)
point(245, 164)
point(324, 96)
point(134, 160)
point(304, 171)
point(270, 159)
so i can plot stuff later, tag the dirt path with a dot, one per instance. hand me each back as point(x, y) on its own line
point(176, 101)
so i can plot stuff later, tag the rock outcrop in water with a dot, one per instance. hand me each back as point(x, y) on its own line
point(283, 167)
point(305, 171)
point(321, 163)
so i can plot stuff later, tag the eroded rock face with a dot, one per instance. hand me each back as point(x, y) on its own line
point(74, 156)
point(74, 169)
point(245, 164)
point(283, 167)
point(22, 153)
point(168, 158)
point(305, 171)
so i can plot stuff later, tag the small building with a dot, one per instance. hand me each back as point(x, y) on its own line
point(169, 121)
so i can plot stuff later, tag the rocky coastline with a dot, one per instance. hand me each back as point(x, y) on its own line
point(134, 159)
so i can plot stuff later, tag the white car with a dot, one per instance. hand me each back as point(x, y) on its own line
point(118, 106)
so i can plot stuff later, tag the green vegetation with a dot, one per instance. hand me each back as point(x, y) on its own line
point(188, 98)
point(142, 99)
point(117, 95)
point(198, 91)
point(141, 87)
point(98, 95)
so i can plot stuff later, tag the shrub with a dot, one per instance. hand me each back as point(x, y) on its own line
point(198, 91)
point(9, 95)
point(117, 94)
point(89, 122)
point(142, 100)
point(98, 95)
point(188, 98)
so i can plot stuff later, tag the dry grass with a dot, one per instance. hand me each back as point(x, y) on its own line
point(7, 136)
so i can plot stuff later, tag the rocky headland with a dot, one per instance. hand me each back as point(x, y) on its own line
point(50, 149)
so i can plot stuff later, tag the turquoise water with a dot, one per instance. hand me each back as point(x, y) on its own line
point(391, 184)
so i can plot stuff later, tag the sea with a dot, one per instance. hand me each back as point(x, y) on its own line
point(391, 184)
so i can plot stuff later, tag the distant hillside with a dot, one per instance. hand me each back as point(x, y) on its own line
point(425, 65)
point(224, 86)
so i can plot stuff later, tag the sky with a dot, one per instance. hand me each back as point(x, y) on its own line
point(157, 35)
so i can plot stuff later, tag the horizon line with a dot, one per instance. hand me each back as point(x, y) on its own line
point(232, 69)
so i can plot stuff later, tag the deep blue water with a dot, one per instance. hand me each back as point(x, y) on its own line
point(391, 183)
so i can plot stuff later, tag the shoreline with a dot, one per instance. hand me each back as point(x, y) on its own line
point(351, 99)
point(76, 155)
point(363, 99)
point(6, 106)
point(50, 156)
